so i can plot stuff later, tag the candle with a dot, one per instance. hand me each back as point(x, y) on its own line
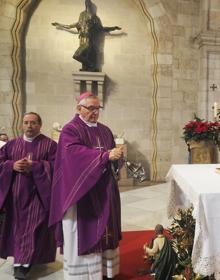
point(215, 109)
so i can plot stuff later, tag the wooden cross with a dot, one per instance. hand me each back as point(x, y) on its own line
point(213, 87)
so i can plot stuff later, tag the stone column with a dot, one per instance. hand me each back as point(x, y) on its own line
point(100, 91)
point(208, 41)
point(89, 86)
point(77, 86)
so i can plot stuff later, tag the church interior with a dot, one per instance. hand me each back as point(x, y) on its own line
point(155, 74)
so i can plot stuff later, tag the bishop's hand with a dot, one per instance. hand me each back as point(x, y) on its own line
point(115, 153)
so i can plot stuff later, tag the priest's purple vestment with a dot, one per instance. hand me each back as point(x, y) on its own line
point(83, 175)
point(25, 200)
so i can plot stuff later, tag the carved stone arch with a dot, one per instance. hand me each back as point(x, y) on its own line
point(160, 14)
point(148, 17)
point(24, 11)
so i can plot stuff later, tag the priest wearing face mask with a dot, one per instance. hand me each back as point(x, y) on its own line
point(85, 195)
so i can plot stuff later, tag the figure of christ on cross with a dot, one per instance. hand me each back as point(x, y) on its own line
point(90, 28)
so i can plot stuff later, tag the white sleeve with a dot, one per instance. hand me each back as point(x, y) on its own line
point(154, 250)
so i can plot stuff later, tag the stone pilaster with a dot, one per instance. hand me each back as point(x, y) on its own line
point(89, 81)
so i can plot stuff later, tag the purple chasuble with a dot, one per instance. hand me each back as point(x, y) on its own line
point(83, 176)
point(25, 200)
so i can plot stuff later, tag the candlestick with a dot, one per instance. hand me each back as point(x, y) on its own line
point(215, 109)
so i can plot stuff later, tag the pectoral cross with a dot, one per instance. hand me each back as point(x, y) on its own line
point(99, 147)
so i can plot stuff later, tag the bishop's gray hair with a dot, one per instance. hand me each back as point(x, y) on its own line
point(83, 101)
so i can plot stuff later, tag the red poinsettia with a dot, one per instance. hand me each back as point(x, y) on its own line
point(199, 130)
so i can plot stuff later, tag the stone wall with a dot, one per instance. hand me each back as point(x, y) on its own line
point(127, 63)
point(7, 17)
point(177, 22)
point(155, 70)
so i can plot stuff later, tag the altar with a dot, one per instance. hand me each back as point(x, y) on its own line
point(198, 185)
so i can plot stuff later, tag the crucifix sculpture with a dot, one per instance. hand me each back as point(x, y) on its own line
point(89, 27)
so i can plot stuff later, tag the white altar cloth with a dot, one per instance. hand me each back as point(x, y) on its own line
point(199, 185)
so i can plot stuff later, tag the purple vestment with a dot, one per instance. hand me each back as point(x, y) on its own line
point(83, 176)
point(25, 199)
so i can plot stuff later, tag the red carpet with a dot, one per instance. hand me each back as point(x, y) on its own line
point(131, 254)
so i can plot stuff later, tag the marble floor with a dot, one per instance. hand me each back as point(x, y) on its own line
point(142, 208)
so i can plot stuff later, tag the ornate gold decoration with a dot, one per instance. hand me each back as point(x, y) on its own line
point(16, 61)
point(23, 12)
point(203, 152)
